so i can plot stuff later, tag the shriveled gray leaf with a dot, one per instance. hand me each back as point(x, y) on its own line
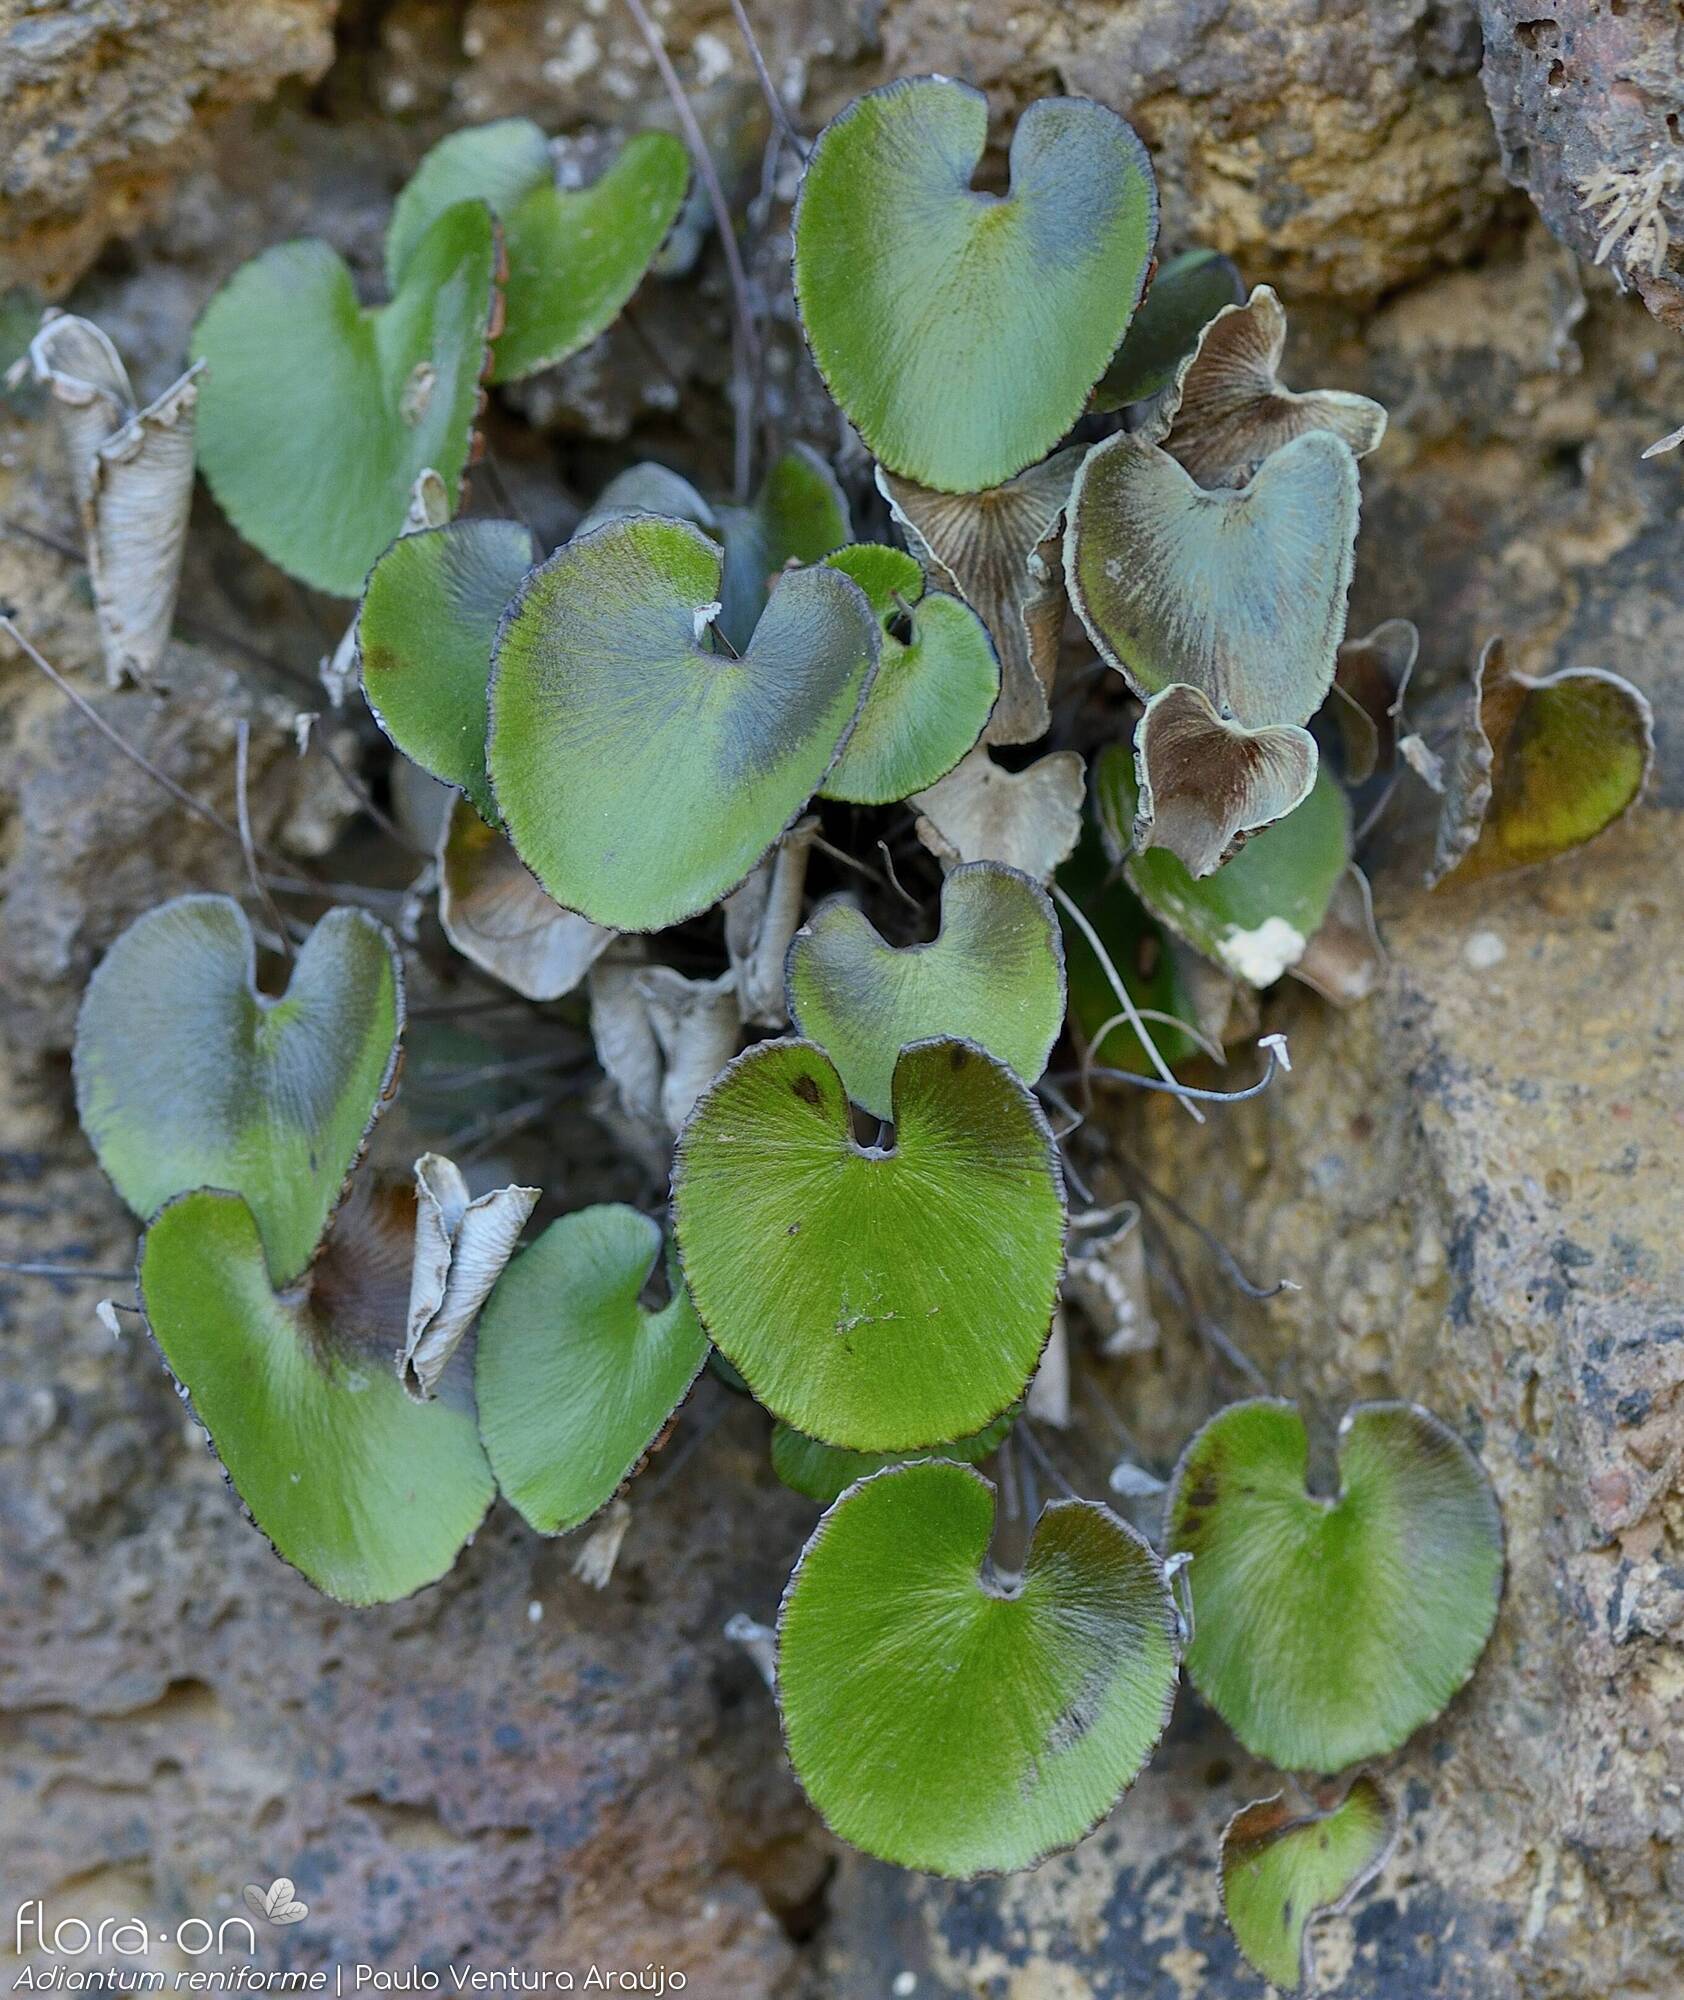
point(696, 1028)
point(648, 488)
point(661, 1038)
point(1029, 819)
point(1205, 783)
point(600, 1550)
point(760, 919)
point(627, 1049)
point(1105, 1279)
point(1370, 680)
point(1048, 1399)
point(1466, 772)
point(1000, 551)
point(461, 1247)
point(1345, 960)
point(1228, 409)
point(495, 914)
point(131, 471)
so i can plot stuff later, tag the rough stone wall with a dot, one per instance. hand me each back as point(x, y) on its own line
point(1588, 96)
point(103, 102)
point(1474, 1176)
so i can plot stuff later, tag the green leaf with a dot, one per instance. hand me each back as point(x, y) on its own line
point(810, 1257)
point(1187, 293)
point(824, 1472)
point(1239, 593)
point(575, 1379)
point(371, 1495)
point(800, 515)
point(1329, 1629)
point(640, 774)
point(425, 632)
point(1540, 766)
point(575, 256)
point(1257, 913)
point(937, 680)
point(188, 1077)
point(993, 975)
point(1229, 409)
point(316, 414)
point(1283, 1867)
point(946, 1717)
point(962, 331)
point(1207, 784)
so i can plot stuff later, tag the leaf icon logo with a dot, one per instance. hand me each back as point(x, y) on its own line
point(276, 1904)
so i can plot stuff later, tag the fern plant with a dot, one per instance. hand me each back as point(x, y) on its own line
point(651, 732)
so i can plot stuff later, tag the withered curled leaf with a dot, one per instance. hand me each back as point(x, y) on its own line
point(1000, 552)
point(1228, 409)
point(495, 914)
point(461, 1247)
point(131, 470)
point(1029, 819)
point(1205, 783)
point(1538, 766)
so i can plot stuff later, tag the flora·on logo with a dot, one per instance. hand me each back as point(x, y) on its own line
point(277, 1903)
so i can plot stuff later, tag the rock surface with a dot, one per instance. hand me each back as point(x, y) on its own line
point(102, 104)
point(1473, 1175)
point(1588, 96)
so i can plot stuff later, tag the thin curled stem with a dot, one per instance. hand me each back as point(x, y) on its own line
point(1278, 1060)
point(1125, 1000)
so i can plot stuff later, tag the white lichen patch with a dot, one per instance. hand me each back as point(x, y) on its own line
point(1259, 957)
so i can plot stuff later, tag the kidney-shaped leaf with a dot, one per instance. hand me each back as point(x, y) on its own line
point(188, 1077)
point(575, 1379)
point(641, 774)
point(824, 1472)
point(371, 1495)
point(994, 975)
point(1187, 293)
point(1229, 408)
point(937, 679)
point(424, 637)
point(317, 415)
point(962, 331)
point(575, 255)
point(1205, 784)
point(1239, 593)
point(946, 1717)
point(1283, 1867)
point(1330, 1629)
point(1539, 766)
point(1257, 913)
point(876, 1297)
